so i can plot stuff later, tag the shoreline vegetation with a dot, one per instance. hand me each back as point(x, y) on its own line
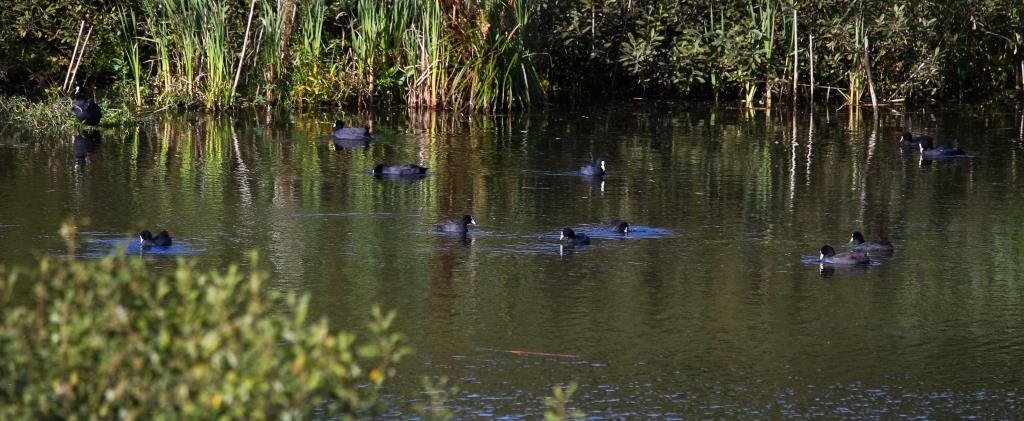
point(495, 55)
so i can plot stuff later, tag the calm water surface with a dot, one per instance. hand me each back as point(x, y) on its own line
point(708, 310)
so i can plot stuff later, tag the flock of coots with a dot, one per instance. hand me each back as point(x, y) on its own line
point(356, 137)
point(862, 250)
point(89, 112)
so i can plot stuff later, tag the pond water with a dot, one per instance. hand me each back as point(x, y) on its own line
point(712, 307)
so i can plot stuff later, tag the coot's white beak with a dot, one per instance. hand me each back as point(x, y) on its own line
point(561, 236)
point(472, 221)
point(602, 165)
point(625, 229)
point(821, 257)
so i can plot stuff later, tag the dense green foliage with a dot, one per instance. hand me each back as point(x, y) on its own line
point(918, 50)
point(494, 54)
point(110, 339)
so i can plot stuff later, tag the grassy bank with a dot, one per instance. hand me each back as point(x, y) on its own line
point(53, 114)
point(498, 54)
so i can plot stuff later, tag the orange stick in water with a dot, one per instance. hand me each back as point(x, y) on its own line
point(540, 354)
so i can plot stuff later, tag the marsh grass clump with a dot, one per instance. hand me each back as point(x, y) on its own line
point(110, 339)
point(50, 113)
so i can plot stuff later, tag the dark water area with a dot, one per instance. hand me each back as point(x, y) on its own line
point(712, 307)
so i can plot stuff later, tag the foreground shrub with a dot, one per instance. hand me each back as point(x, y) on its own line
point(110, 339)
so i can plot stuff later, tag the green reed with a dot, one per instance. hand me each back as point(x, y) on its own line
point(763, 15)
point(501, 74)
point(308, 83)
point(130, 47)
point(427, 53)
point(473, 59)
point(160, 37)
point(269, 49)
point(189, 35)
point(216, 89)
point(376, 40)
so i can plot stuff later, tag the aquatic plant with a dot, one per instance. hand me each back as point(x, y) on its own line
point(269, 48)
point(376, 40)
point(558, 404)
point(130, 47)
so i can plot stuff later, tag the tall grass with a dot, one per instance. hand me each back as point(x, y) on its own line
point(130, 47)
point(763, 15)
point(216, 91)
point(476, 59)
point(428, 54)
point(500, 74)
point(856, 72)
point(307, 79)
point(268, 54)
point(377, 42)
point(189, 35)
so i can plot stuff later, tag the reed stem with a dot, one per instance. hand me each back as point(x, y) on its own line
point(81, 27)
point(241, 56)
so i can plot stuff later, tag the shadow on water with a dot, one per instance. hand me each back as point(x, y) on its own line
point(703, 310)
point(84, 144)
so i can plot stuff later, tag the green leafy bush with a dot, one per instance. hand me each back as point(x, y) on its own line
point(110, 339)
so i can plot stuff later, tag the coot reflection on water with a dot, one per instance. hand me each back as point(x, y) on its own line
point(85, 143)
point(399, 170)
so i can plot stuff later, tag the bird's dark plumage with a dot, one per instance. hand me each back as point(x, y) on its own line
point(460, 225)
point(594, 169)
point(870, 246)
point(146, 239)
point(574, 238)
point(908, 139)
point(828, 255)
point(85, 109)
point(930, 151)
point(619, 226)
point(350, 133)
